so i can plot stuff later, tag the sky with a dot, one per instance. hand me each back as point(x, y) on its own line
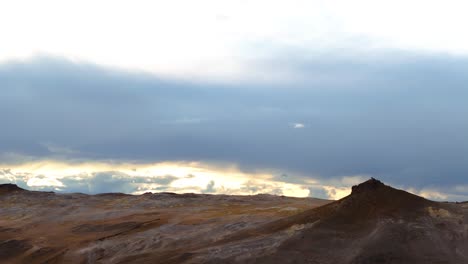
point(297, 98)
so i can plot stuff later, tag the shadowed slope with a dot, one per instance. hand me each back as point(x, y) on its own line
point(367, 202)
point(378, 224)
point(9, 188)
point(374, 224)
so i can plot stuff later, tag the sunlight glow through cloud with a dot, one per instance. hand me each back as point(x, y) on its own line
point(183, 177)
point(177, 177)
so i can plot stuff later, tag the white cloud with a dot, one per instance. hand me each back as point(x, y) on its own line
point(298, 125)
point(447, 193)
point(430, 194)
point(223, 39)
point(43, 181)
point(336, 193)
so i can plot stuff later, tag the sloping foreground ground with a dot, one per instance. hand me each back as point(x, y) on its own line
point(46, 227)
point(375, 224)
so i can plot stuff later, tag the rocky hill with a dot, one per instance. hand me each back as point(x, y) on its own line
point(375, 224)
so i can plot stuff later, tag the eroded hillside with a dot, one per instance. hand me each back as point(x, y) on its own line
point(375, 224)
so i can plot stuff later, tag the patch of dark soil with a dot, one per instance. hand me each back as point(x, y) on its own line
point(89, 228)
point(8, 230)
point(380, 258)
point(13, 248)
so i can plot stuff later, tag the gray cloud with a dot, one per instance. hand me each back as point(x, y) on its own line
point(210, 187)
point(400, 118)
point(102, 182)
point(316, 191)
point(113, 181)
point(92, 183)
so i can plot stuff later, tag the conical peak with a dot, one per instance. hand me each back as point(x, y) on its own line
point(378, 197)
point(369, 185)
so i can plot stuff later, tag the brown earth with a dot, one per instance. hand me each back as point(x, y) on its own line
point(375, 224)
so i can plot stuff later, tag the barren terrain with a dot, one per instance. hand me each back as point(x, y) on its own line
point(375, 224)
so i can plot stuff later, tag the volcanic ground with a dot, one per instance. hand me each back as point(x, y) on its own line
point(374, 224)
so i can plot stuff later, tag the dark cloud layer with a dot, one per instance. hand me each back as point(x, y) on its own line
point(400, 118)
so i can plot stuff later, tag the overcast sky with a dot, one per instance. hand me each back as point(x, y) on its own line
point(286, 97)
